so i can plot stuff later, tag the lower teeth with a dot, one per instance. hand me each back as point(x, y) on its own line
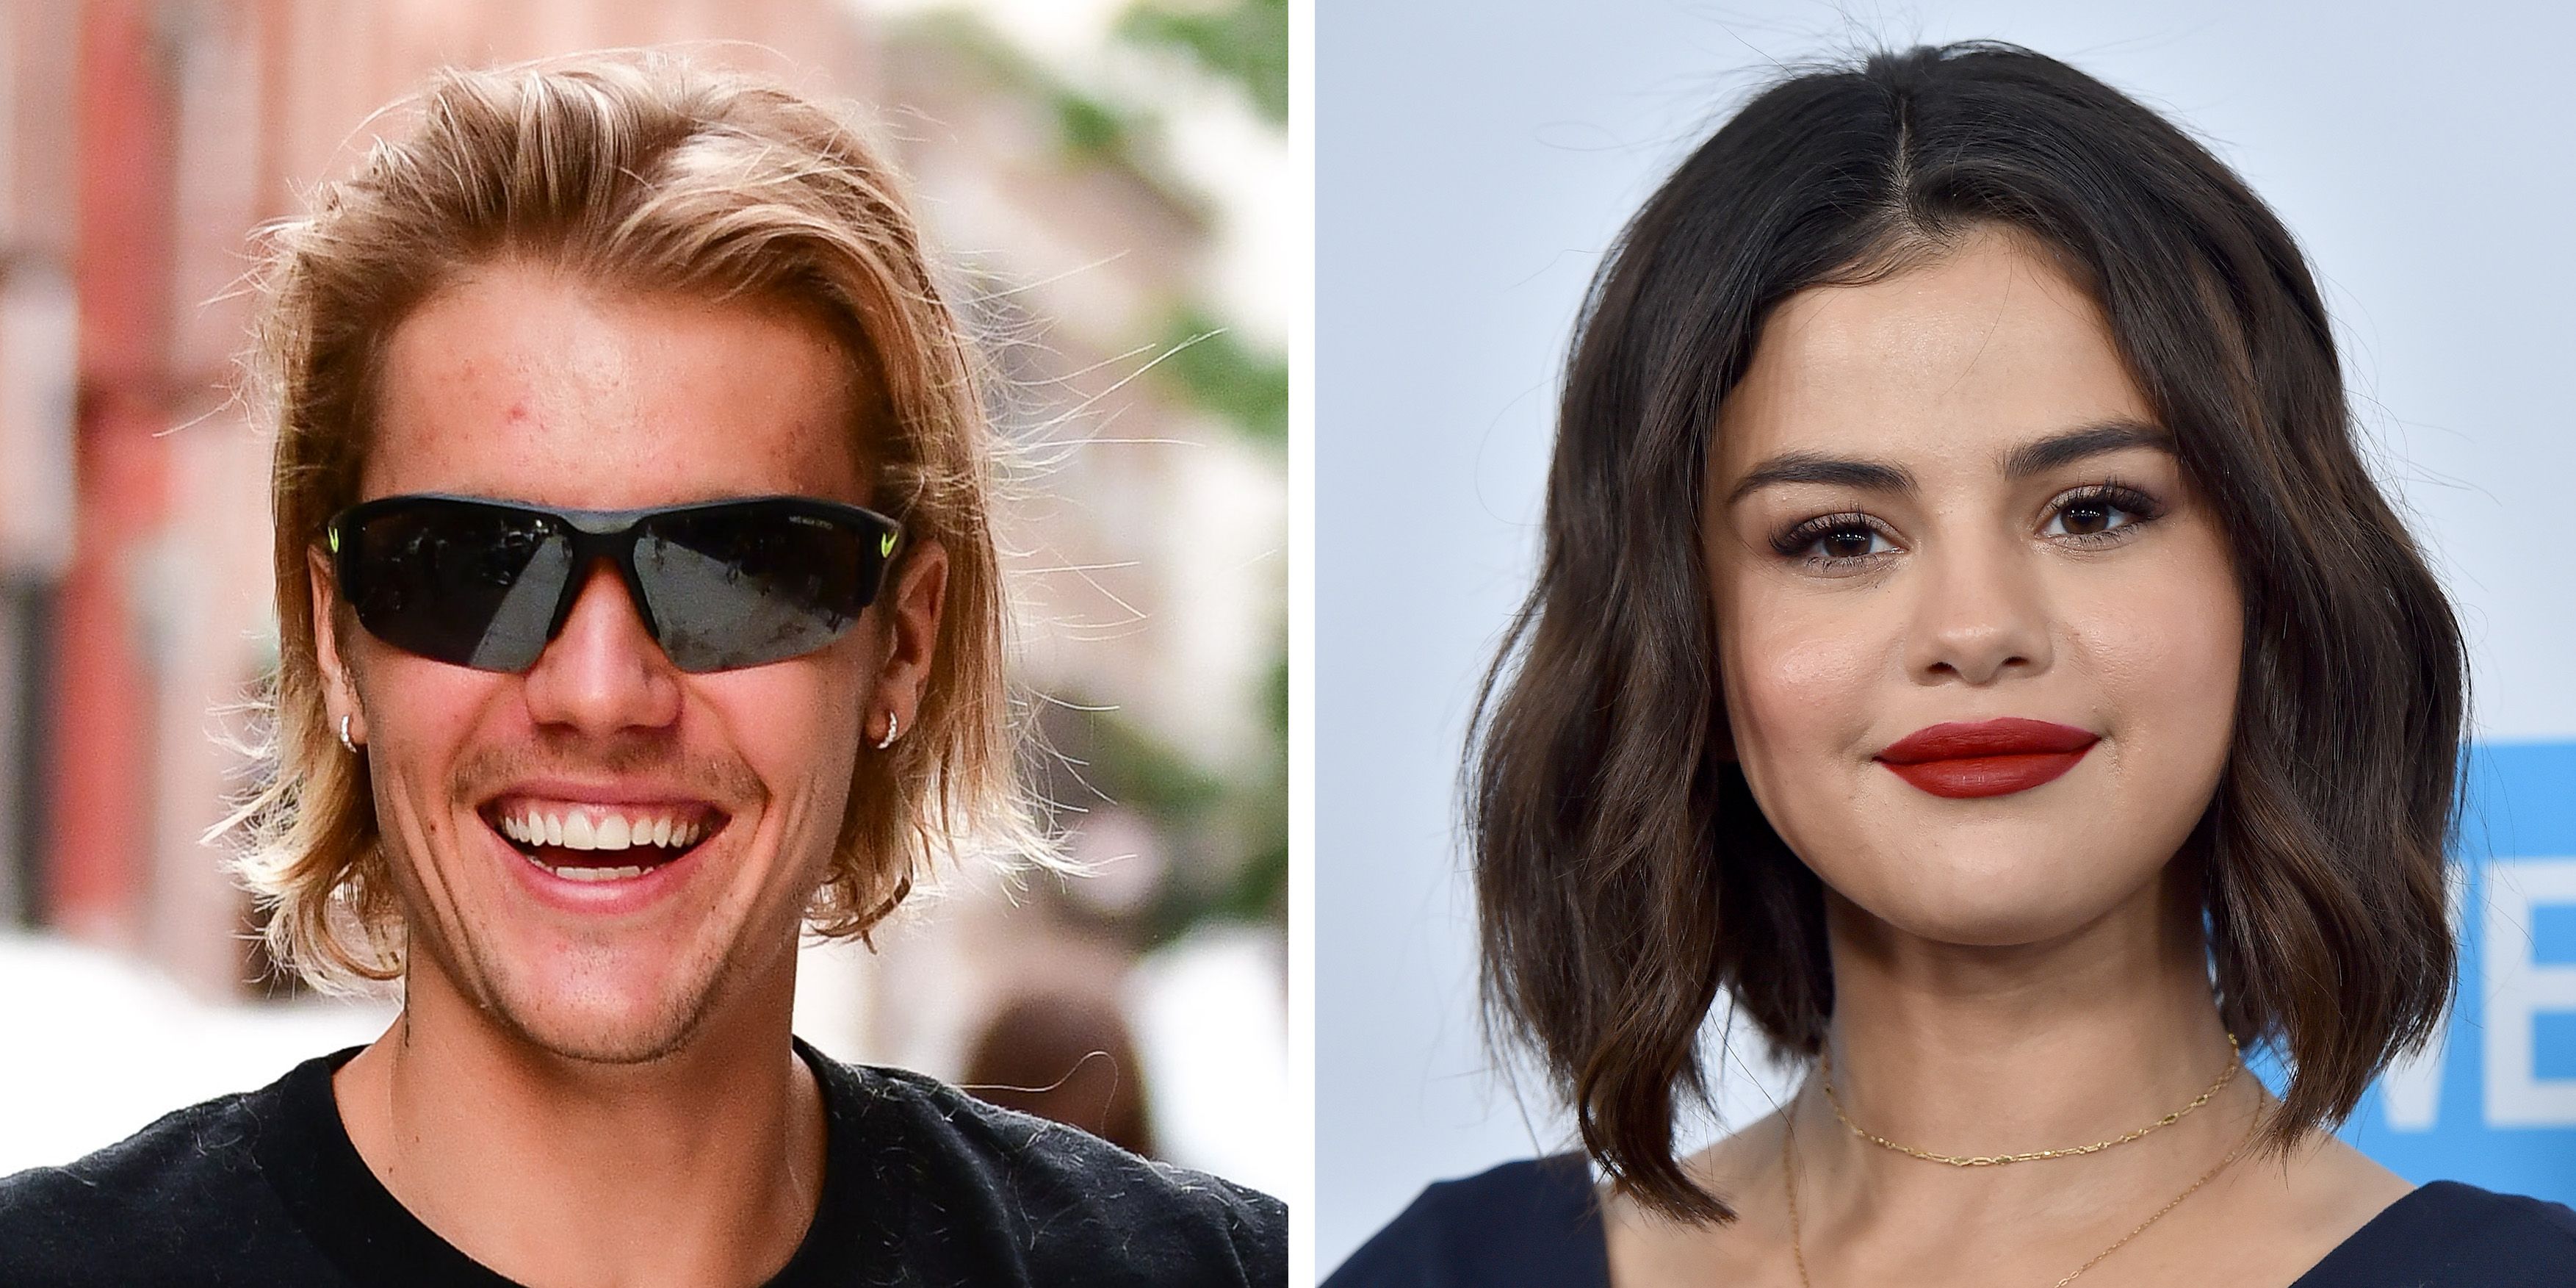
point(592, 874)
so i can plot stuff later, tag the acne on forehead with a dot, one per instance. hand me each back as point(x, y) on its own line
point(514, 381)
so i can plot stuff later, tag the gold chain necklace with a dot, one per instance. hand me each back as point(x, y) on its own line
point(2234, 1063)
point(1789, 1165)
point(1797, 1249)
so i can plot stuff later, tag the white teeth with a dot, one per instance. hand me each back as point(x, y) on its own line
point(575, 831)
point(571, 872)
point(597, 874)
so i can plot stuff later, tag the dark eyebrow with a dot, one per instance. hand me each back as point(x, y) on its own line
point(1814, 467)
point(2077, 444)
point(2021, 462)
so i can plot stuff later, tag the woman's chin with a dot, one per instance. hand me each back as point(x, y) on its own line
point(1987, 927)
point(1991, 905)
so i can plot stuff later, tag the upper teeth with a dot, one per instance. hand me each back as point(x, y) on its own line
point(577, 830)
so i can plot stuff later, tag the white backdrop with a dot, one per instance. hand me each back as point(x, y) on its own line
point(1474, 157)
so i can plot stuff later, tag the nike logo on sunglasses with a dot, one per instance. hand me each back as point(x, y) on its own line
point(487, 583)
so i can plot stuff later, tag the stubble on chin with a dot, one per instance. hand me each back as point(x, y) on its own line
point(541, 1015)
point(534, 1009)
point(675, 1018)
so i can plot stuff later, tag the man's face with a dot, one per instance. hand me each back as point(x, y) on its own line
point(523, 384)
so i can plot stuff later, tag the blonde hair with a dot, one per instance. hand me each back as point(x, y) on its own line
point(638, 171)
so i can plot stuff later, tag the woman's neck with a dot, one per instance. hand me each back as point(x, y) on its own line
point(1976, 1050)
point(1987, 1051)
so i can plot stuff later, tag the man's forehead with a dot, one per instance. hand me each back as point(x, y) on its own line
point(526, 384)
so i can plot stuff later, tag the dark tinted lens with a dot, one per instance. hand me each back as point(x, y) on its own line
point(457, 582)
point(742, 587)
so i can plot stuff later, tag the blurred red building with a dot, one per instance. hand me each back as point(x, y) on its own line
point(39, 317)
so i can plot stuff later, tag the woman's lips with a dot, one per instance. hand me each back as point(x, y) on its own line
point(1988, 757)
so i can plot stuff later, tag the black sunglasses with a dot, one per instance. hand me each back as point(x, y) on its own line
point(719, 585)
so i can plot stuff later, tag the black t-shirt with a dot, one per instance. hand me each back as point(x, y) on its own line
point(922, 1185)
point(1537, 1224)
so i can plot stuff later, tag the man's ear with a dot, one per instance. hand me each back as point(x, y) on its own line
point(913, 604)
point(339, 694)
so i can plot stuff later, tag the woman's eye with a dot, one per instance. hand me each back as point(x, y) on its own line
point(2084, 518)
point(1850, 543)
point(1838, 541)
point(2096, 514)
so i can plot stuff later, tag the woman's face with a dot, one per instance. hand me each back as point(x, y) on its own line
point(1978, 634)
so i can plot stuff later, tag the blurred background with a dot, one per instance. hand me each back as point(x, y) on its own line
point(1107, 180)
point(1474, 160)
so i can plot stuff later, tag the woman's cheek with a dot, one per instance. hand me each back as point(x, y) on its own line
point(1798, 696)
point(2165, 649)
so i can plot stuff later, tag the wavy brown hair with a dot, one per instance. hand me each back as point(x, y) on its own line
point(1625, 876)
point(638, 171)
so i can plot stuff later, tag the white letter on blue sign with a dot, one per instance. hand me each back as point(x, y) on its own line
point(2519, 988)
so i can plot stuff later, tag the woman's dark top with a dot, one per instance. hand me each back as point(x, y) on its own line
point(922, 1185)
point(1534, 1224)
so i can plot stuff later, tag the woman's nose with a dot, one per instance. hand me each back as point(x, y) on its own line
point(1982, 615)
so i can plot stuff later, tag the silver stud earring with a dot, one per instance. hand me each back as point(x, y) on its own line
point(892, 727)
point(345, 739)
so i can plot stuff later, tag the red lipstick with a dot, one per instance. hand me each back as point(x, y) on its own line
point(1987, 758)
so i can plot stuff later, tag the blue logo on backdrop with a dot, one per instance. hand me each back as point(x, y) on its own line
point(2493, 1101)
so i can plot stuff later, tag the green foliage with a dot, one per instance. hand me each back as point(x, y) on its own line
point(1090, 128)
point(1243, 41)
point(1260, 887)
point(1220, 372)
point(1129, 766)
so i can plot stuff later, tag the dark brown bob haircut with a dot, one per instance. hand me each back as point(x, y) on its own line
point(1626, 877)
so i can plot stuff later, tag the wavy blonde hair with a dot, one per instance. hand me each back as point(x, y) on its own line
point(635, 170)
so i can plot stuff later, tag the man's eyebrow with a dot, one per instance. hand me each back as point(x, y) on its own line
point(1816, 467)
point(2076, 444)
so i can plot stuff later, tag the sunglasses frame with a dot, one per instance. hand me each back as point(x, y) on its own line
point(610, 535)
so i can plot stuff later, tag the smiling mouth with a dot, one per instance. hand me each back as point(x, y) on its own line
point(601, 843)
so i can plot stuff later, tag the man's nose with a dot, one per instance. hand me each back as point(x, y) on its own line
point(603, 673)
